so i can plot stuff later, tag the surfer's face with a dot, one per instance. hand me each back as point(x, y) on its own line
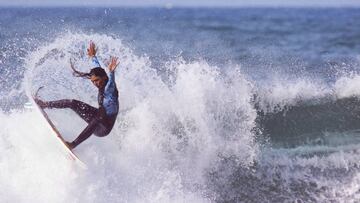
point(99, 82)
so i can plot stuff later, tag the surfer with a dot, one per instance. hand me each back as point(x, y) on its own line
point(100, 120)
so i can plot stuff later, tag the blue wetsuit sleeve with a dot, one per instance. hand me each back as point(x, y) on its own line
point(95, 62)
point(111, 103)
point(111, 83)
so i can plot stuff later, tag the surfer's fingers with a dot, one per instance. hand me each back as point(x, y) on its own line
point(111, 60)
point(113, 63)
point(92, 45)
point(116, 63)
point(114, 59)
point(92, 49)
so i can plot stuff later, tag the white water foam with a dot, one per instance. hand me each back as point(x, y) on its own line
point(347, 86)
point(173, 130)
point(284, 92)
point(168, 135)
point(332, 176)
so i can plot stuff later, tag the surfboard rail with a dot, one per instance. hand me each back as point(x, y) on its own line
point(70, 154)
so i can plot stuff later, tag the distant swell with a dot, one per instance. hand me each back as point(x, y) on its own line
point(309, 119)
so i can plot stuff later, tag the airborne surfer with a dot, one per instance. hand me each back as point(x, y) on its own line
point(100, 120)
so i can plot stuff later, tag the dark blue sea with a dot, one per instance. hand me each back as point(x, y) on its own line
point(216, 105)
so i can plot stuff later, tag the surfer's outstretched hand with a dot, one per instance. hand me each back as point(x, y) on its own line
point(91, 51)
point(113, 63)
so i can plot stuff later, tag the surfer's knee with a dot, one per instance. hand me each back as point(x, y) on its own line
point(101, 135)
point(101, 131)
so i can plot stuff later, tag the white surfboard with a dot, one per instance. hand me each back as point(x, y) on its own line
point(69, 154)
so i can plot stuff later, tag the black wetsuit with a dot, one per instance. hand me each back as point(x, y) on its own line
point(100, 120)
point(99, 123)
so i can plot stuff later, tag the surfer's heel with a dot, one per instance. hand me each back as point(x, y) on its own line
point(70, 145)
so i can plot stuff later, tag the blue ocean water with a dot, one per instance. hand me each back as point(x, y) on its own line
point(217, 105)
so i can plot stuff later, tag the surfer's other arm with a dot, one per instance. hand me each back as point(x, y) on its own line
point(91, 52)
point(113, 64)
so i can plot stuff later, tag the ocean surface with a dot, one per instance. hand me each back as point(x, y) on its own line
point(216, 105)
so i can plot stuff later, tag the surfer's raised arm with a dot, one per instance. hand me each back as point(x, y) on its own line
point(113, 63)
point(91, 52)
point(111, 86)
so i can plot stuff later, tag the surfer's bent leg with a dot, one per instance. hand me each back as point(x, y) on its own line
point(86, 133)
point(98, 126)
point(85, 111)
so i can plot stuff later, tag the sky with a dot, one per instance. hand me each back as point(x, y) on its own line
point(186, 3)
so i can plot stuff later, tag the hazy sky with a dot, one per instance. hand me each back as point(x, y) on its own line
point(210, 3)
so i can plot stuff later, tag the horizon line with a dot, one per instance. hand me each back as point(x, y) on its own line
point(175, 6)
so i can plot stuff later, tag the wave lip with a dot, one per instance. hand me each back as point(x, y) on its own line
point(298, 118)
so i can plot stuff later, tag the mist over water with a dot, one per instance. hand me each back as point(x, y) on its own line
point(215, 106)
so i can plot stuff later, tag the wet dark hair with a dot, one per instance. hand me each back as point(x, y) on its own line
point(97, 71)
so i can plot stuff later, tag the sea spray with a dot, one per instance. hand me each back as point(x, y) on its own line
point(168, 136)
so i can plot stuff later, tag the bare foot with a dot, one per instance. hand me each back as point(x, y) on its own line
point(69, 145)
point(41, 103)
